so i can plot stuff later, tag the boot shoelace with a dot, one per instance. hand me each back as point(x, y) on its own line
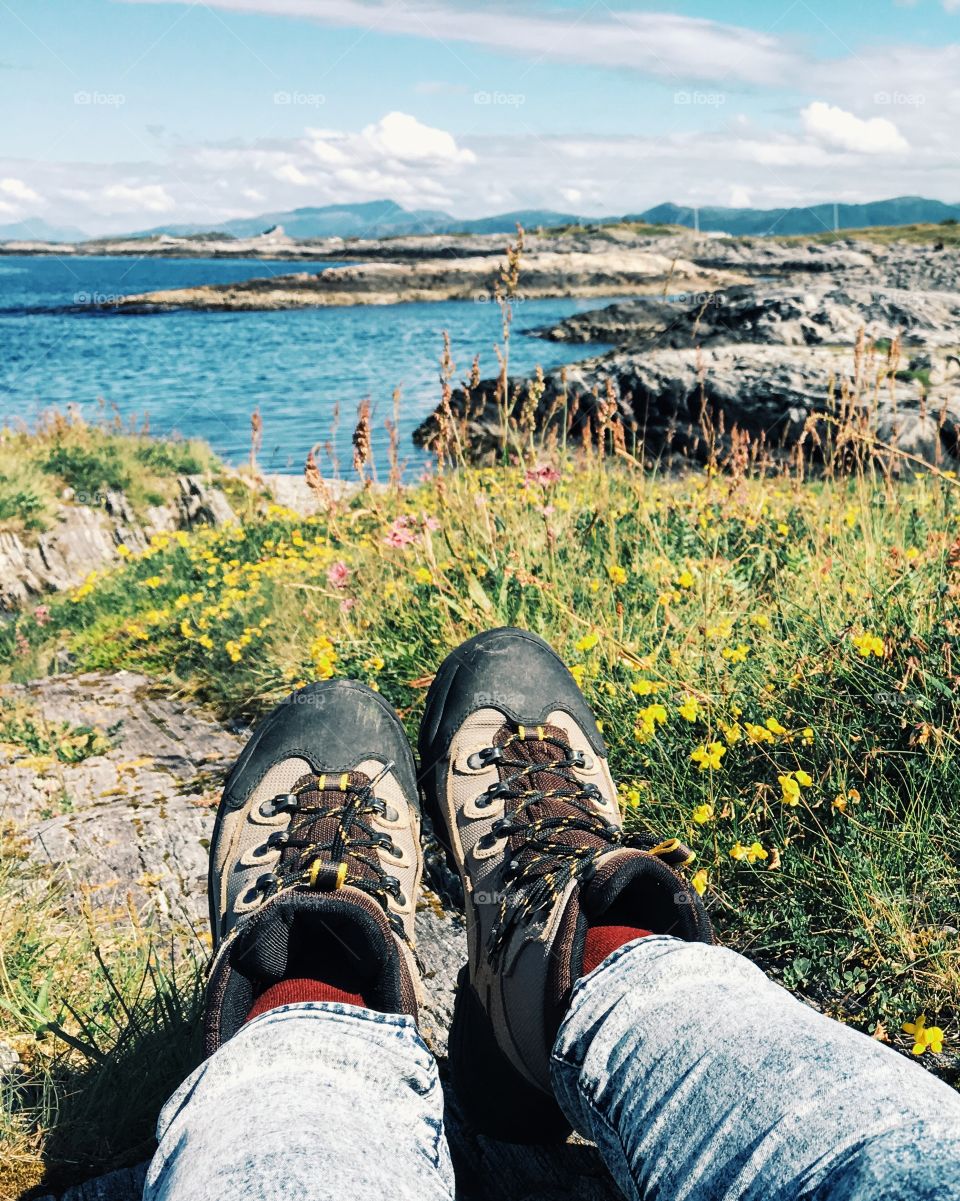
point(326, 866)
point(542, 862)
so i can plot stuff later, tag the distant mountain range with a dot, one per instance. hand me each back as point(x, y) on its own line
point(385, 218)
point(34, 229)
point(375, 219)
point(818, 218)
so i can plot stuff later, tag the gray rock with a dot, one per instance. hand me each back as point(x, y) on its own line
point(9, 1063)
point(810, 316)
point(200, 504)
point(86, 535)
point(772, 393)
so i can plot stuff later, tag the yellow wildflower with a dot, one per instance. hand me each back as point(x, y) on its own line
point(690, 709)
point(735, 654)
point(761, 621)
point(869, 644)
point(702, 814)
point(699, 881)
point(774, 726)
point(617, 574)
point(924, 1037)
point(587, 642)
point(685, 579)
point(153, 581)
point(594, 585)
point(647, 721)
point(732, 732)
point(757, 733)
point(803, 778)
point(709, 755)
point(646, 687)
point(578, 671)
point(324, 656)
point(423, 576)
point(790, 790)
point(751, 853)
point(123, 551)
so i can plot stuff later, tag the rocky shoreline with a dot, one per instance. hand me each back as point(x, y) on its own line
point(869, 337)
point(546, 273)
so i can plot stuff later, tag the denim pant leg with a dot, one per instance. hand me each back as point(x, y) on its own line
point(701, 1080)
point(308, 1102)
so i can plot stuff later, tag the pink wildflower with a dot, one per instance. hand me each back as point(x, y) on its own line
point(400, 534)
point(338, 575)
point(41, 615)
point(543, 474)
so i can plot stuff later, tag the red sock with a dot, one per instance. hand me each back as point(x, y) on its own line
point(289, 992)
point(602, 941)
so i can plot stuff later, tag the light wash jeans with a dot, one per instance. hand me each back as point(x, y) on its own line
point(697, 1077)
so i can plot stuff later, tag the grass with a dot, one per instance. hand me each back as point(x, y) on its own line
point(919, 234)
point(105, 1020)
point(64, 457)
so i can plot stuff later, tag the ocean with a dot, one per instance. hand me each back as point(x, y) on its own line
point(202, 374)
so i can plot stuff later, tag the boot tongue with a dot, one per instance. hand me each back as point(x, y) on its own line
point(318, 820)
point(532, 747)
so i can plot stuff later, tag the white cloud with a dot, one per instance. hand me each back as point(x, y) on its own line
point(148, 198)
point(18, 190)
point(663, 44)
point(288, 173)
point(836, 128)
point(400, 136)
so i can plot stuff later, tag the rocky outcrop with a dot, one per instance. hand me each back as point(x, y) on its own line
point(603, 271)
point(930, 266)
point(85, 538)
point(824, 316)
point(689, 402)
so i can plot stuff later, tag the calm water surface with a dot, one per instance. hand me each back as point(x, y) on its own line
point(202, 374)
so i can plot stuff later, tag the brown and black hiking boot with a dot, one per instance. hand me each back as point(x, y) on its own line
point(515, 779)
point(315, 859)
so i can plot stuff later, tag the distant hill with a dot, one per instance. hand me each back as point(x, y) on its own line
point(375, 219)
point(33, 229)
point(816, 219)
point(385, 218)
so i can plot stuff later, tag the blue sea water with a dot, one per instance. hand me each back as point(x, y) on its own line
point(202, 374)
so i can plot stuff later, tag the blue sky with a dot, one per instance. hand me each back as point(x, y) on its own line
point(121, 114)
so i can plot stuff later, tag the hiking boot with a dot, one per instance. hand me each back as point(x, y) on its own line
point(514, 776)
point(315, 859)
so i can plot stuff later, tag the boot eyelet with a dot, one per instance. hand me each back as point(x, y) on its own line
point(286, 802)
point(483, 758)
point(266, 883)
point(396, 852)
point(279, 838)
